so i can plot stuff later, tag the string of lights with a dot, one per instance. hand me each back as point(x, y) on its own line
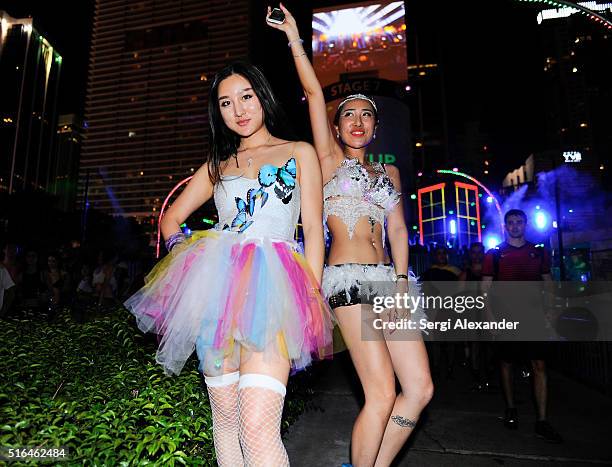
point(582, 8)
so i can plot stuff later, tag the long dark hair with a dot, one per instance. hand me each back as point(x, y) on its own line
point(223, 141)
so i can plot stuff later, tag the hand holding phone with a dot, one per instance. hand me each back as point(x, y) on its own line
point(276, 16)
point(280, 18)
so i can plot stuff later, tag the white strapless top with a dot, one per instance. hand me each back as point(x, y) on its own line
point(266, 206)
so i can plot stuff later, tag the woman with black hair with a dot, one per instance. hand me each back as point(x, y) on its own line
point(242, 294)
point(360, 199)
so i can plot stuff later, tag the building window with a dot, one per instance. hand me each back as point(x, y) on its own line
point(166, 35)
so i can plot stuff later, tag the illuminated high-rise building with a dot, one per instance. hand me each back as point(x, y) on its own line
point(30, 70)
point(430, 132)
point(66, 161)
point(578, 94)
point(150, 69)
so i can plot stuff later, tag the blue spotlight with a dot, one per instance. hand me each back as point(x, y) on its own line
point(453, 227)
point(491, 241)
point(489, 199)
point(541, 220)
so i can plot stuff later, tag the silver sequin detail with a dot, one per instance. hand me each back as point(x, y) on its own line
point(353, 193)
point(350, 210)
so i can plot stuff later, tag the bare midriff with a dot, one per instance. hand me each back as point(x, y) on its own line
point(364, 247)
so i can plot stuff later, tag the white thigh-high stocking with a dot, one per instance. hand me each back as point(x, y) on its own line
point(223, 396)
point(260, 400)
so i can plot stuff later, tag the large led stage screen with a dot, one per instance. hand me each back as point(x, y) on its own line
point(366, 39)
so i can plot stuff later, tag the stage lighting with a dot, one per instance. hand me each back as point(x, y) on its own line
point(453, 227)
point(541, 220)
point(491, 241)
point(357, 21)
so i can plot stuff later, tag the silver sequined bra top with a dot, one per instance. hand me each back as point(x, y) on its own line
point(353, 193)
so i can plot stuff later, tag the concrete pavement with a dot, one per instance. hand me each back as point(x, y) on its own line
point(460, 427)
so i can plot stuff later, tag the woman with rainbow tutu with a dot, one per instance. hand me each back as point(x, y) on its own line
point(242, 295)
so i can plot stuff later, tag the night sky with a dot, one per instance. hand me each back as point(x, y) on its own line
point(493, 67)
point(494, 74)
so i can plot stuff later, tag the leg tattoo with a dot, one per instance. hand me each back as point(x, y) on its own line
point(403, 421)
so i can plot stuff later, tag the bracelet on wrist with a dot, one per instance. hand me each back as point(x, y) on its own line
point(401, 276)
point(290, 44)
point(175, 239)
point(299, 55)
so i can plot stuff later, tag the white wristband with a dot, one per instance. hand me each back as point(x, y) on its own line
point(290, 44)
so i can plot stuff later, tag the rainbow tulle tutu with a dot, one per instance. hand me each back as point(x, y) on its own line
point(227, 296)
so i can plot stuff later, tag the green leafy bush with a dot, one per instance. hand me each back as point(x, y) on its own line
point(95, 388)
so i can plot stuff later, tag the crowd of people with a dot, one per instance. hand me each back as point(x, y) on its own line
point(41, 282)
point(516, 259)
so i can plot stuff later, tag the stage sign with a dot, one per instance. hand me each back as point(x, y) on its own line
point(368, 86)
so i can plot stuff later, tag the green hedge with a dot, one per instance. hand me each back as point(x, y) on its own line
point(95, 388)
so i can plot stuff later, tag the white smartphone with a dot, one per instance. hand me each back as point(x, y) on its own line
point(277, 16)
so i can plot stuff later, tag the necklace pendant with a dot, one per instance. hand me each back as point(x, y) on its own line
point(249, 161)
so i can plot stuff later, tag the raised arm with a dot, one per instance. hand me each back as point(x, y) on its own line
point(198, 191)
point(311, 185)
point(324, 141)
